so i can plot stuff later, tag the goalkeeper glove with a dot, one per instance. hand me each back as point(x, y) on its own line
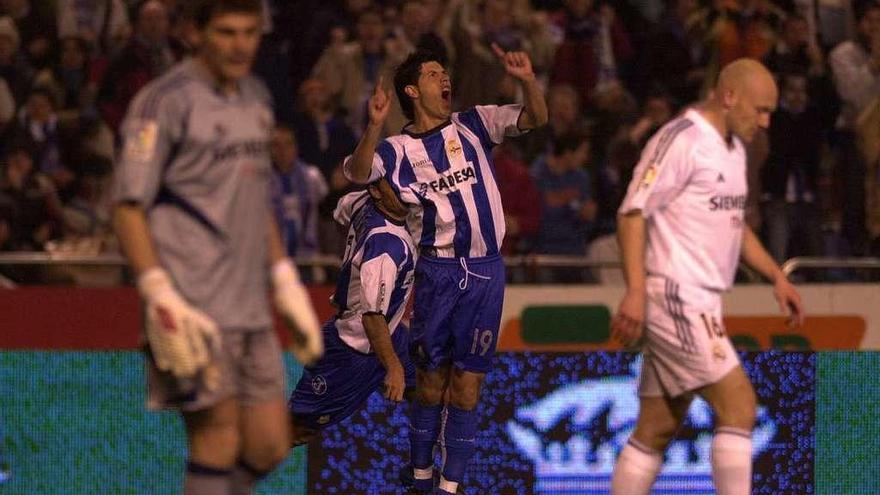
point(294, 304)
point(181, 337)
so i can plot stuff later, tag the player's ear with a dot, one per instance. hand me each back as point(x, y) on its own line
point(411, 91)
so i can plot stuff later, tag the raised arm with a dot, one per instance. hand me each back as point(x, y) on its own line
point(359, 166)
point(518, 65)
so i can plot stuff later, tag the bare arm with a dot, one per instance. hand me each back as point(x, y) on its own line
point(276, 247)
point(534, 105)
point(380, 340)
point(130, 225)
point(518, 65)
point(627, 323)
point(360, 164)
point(755, 256)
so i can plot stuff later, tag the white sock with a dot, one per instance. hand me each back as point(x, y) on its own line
point(635, 469)
point(732, 461)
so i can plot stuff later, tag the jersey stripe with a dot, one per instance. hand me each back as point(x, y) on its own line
point(490, 237)
point(488, 185)
point(666, 140)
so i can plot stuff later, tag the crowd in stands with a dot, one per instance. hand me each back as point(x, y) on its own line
point(614, 72)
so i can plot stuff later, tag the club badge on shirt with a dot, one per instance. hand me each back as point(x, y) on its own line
point(141, 141)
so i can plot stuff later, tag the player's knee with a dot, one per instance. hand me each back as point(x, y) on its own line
point(656, 434)
point(738, 413)
point(268, 455)
point(464, 395)
point(429, 396)
point(217, 445)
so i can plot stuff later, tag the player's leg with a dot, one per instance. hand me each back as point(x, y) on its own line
point(460, 429)
point(640, 460)
point(733, 400)
point(425, 412)
point(213, 442)
point(475, 326)
point(263, 419)
point(264, 433)
point(434, 301)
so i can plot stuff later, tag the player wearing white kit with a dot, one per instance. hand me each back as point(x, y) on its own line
point(192, 215)
point(682, 232)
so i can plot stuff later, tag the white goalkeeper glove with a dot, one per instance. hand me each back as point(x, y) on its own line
point(294, 304)
point(181, 337)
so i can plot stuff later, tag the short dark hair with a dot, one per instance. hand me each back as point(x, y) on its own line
point(408, 72)
point(202, 11)
point(568, 142)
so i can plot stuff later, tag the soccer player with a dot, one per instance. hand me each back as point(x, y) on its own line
point(441, 168)
point(367, 346)
point(682, 232)
point(192, 216)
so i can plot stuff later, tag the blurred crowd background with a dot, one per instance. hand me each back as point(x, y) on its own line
point(614, 72)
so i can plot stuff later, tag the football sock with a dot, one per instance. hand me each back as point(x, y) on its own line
point(205, 480)
point(635, 470)
point(732, 461)
point(459, 431)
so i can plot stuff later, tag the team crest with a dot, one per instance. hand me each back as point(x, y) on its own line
point(453, 148)
point(319, 385)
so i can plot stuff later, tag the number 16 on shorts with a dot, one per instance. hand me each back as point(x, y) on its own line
point(482, 342)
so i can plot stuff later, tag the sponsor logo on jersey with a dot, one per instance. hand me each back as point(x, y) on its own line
point(720, 177)
point(449, 181)
point(239, 149)
point(727, 202)
point(425, 162)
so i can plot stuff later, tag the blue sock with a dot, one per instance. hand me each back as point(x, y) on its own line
point(424, 426)
point(458, 442)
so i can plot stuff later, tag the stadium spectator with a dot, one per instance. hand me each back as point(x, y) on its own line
point(147, 55)
point(595, 49)
point(103, 23)
point(412, 24)
point(297, 189)
point(855, 65)
point(790, 210)
point(796, 51)
point(87, 214)
point(13, 67)
point(351, 70)
point(520, 197)
point(70, 77)
point(34, 209)
point(567, 205)
point(323, 137)
point(744, 28)
point(35, 25)
point(7, 107)
point(674, 57)
point(563, 105)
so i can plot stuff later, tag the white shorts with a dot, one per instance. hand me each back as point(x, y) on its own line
point(685, 346)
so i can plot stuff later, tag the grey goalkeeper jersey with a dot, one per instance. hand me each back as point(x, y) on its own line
point(198, 161)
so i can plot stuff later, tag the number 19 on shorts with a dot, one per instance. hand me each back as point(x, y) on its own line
point(482, 342)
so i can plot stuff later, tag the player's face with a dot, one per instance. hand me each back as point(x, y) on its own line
point(229, 44)
point(384, 195)
point(434, 91)
point(752, 108)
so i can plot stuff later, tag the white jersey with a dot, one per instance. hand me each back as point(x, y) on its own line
point(447, 178)
point(691, 187)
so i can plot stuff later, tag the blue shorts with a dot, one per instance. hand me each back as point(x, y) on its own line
point(340, 382)
point(457, 312)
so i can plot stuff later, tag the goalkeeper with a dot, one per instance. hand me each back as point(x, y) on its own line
point(192, 216)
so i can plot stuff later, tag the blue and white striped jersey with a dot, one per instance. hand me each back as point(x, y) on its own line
point(447, 178)
point(377, 269)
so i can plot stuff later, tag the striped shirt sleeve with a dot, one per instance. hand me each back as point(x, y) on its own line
point(662, 171)
point(383, 255)
point(500, 121)
point(384, 160)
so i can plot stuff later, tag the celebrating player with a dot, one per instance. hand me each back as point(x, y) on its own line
point(441, 168)
point(367, 346)
point(682, 232)
point(192, 216)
